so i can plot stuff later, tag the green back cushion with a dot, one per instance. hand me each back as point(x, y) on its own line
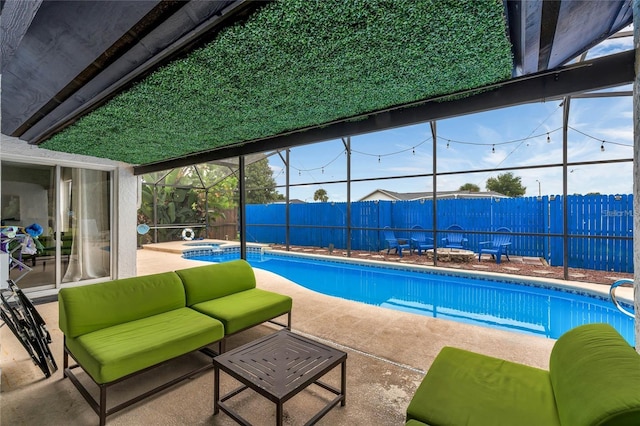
point(216, 280)
point(596, 377)
point(94, 307)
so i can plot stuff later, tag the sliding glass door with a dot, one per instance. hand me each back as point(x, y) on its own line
point(72, 207)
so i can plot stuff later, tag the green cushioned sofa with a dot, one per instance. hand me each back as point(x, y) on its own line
point(227, 292)
point(593, 379)
point(117, 329)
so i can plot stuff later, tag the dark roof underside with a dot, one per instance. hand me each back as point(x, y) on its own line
point(172, 80)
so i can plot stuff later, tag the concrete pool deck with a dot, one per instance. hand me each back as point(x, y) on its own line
point(388, 353)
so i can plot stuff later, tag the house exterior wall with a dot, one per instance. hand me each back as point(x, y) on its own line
point(125, 194)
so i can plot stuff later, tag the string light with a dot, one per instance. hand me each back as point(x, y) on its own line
point(449, 141)
point(493, 144)
point(521, 140)
point(602, 141)
point(318, 168)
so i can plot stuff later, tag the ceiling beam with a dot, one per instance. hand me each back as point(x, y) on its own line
point(549, 25)
point(190, 26)
point(596, 74)
point(157, 14)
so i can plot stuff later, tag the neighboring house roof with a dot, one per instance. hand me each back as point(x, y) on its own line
point(383, 194)
point(291, 201)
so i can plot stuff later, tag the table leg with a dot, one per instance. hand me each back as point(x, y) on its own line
point(216, 390)
point(279, 413)
point(343, 382)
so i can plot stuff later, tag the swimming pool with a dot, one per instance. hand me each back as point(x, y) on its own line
point(519, 305)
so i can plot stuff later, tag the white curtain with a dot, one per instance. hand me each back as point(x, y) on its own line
point(89, 225)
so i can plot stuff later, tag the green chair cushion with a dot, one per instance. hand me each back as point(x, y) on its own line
point(114, 352)
point(92, 307)
point(466, 388)
point(596, 377)
point(216, 280)
point(245, 309)
point(414, 422)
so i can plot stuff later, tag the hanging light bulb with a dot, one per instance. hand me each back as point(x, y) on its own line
point(299, 172)
point(548, 138)
point(378, 158)
point(323, 170)
point(493, 149)
point(447, 144)
point(602, 146)
point(414, 150)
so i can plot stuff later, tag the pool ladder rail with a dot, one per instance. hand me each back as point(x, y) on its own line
point(612, 293)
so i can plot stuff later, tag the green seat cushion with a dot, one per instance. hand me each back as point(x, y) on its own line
point(466, 388)
point(114, 352)
point(414, 422)
point(88, 308)
point(246, 308)
point(596, 377)
point(216, 280)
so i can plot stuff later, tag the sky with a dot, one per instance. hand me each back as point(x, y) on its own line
point(521, 136)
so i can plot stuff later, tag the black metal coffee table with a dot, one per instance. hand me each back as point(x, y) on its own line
point(278, 367)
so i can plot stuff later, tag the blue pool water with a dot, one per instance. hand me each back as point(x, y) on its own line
point(526, 308)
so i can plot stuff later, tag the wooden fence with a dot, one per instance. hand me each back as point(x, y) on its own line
point(599, 227)
point(225, 226)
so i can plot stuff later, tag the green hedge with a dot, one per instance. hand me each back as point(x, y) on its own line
point(298, 63)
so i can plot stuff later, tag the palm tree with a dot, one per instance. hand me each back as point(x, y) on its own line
point(320, 195)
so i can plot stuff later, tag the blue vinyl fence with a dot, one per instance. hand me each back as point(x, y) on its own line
point(589, 216)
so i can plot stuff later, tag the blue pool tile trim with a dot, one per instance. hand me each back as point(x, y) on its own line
point(212, 251)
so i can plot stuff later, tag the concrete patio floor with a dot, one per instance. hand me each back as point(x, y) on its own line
point(388, 354)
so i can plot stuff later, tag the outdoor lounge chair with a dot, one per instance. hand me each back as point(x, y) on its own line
point(455, 238)
point(498, 246)
point(392, 242)
point(419, 240)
